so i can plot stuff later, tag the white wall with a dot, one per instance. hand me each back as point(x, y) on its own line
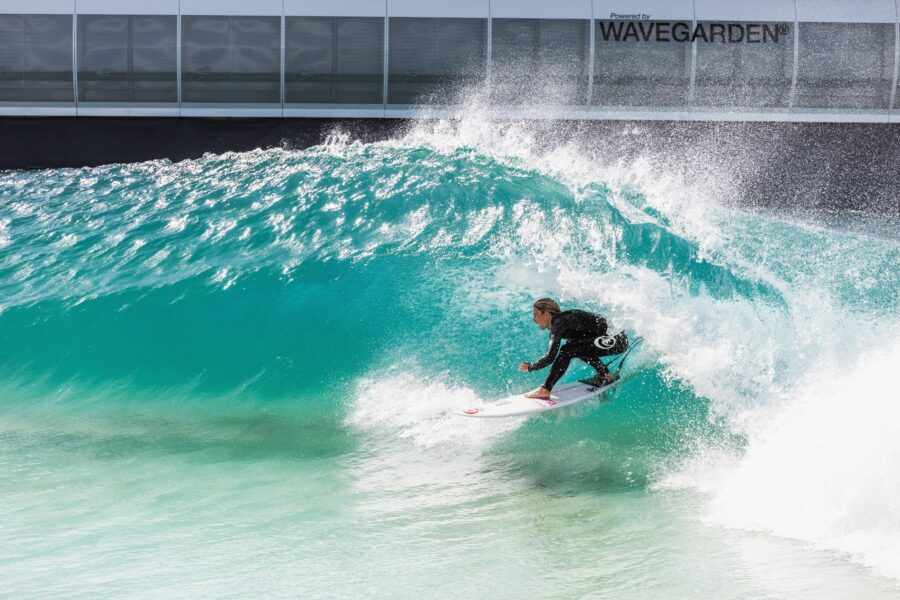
point(432, 8)
point(37, 7)
point(334, 8)
point(844, 11)
point(256, 8)
point(127, 7)
point(541, 9)
point(742, 10)
point(656, 10)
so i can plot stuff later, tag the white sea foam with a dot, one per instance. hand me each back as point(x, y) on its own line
point(4, 232)
point(177, 224)
point(823, 467)
point(412, 405)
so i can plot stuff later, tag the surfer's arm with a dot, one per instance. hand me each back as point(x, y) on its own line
point(552, 351)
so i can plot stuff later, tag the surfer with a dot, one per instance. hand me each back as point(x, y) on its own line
point(586, 338)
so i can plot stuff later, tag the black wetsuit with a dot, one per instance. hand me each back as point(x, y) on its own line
point(586, 337)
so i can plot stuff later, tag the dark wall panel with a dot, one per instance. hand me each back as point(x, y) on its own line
point(334, 60)
point(36, 58)
point(231, 59)
point(127, 59)
point(432, 61)
point(630, 72)
point(540, 61)
point(845, 65)
point(746, 75)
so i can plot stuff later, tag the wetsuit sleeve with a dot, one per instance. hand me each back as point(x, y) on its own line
point(552, 351)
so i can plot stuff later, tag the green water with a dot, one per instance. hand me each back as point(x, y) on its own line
point(234, 377)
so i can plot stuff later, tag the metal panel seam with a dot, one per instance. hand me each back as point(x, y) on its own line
point(488, 71)
point(282, 57)
point(591, 57)
point(385, 63)
point(178, 68)
point(792, 97)
point(896, 59)
point(75, 55)
point(693, 80)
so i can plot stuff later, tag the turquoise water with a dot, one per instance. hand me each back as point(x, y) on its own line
point(234, 377)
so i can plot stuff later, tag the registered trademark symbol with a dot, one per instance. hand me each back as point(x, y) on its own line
point(783, 28)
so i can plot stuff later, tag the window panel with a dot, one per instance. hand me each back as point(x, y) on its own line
point(539, 61)
point(36, 58)
point(154, 59)
point(334, 60)
point(639, 73)
point(127, 58)
point(431, 61)
point(752, 75)
point(845, 65)
point(12, 75)
point(231, 59)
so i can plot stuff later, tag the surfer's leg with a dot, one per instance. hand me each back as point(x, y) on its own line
point(589, 350)
point(572, 349)
point(604, 346)
point(598, 365)
point(558, 369)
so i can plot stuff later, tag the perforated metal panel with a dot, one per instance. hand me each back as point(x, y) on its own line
point(127, 58)
point(103, 57)
point(228, 59)
point(845, 65)
point(540, 61)
point(632, 71)
point(334, 60)
point(153, 59)
point(749, 75)
point(12, 75)
point(36, 58)
point(432, 61)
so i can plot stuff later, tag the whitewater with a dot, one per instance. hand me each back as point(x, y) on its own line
point(235, 376)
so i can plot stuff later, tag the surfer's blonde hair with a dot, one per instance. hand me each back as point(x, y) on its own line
point(547, 305)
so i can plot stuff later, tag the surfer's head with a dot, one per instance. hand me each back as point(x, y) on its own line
point(544, 311)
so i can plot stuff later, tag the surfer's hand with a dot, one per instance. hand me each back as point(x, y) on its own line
point(524, 367)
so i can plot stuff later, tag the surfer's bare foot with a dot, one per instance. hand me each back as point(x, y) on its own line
point(541, 393)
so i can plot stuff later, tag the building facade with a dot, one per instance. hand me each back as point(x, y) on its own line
point(772, 60)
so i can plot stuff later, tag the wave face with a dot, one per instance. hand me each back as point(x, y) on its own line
point(258, 353)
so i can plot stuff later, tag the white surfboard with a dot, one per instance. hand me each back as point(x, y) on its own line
point(563, 395)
